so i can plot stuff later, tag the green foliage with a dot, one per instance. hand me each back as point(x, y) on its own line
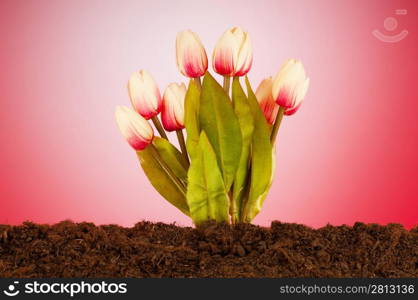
point(172, 158)
point(152, 164)
point(246, 122)
point(232, 159)
point(191, 117)
point(261, 160)
point(218, 120)
point(206, 194)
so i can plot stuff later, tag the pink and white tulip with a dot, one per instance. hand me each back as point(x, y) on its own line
point(172, 114)
point(290, 86)
point(233, 54)
point(192, 60)
point(145, 95)
point(265, 99)
point(134, 128)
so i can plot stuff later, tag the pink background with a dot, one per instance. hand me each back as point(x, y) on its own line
point(349, 154)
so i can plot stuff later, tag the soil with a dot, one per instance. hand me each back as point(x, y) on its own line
point(68, 249)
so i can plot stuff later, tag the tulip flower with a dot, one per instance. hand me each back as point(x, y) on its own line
point(146, 98)
point(145, 95)
point(266, 101)
point(134, 128)
point(191, 55)
point(173, 112)
point(173, 107)
point(233, 54)
point(290, 86)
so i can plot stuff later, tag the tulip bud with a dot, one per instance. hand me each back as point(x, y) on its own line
point(191, 55)
point(233, 54)
point(172, 114)
point(266, 101)
point(145, 95)
point(134, 128)
point(290, 86)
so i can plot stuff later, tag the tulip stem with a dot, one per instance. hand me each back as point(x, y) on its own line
point(227, 83)
point(198, 82)
point(167, 170)
point(276, 125)
point(183, 148)
point(159, 127)
point(233, 208)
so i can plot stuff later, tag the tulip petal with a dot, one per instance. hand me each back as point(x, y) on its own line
point(144, 94)
point(266, 101)
point(191, 55)
point(245, 57)
point(134, 127)
point(233, 54)
point(223, 62)
point(291, 111)
point(225, 53)
point(290, 85)
point(172, 114)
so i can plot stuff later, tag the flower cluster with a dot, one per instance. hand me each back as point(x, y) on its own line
point(222, 123)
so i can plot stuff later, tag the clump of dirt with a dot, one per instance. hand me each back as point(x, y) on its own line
point(68, 249)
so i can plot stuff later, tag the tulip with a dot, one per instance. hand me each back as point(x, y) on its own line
point(290, 86)
point(173, 113)
point(233, 54)
point(191, 55)
point(145, 95)
point(173, 107)
point(266, 101)
point(136, 130)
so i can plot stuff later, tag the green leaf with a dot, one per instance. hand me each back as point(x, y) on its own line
point(218, 120)
point(206, 194)
point(159, 178)
point(261, 161)
point(191, 117)
point(246, 122)
point(172, 157)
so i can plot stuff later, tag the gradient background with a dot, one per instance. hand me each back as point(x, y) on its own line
point(349, 154)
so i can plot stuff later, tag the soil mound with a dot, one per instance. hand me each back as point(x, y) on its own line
point(149, 249)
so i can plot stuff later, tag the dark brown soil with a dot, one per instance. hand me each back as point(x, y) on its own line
point(160, 250)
